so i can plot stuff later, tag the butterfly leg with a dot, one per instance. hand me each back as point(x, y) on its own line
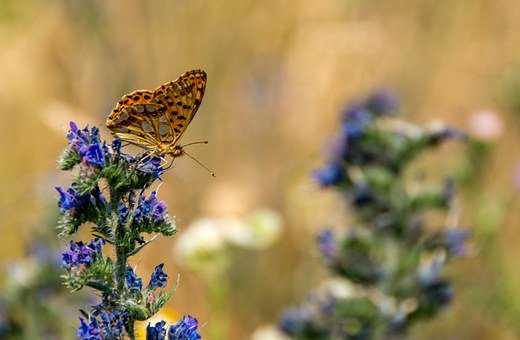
point(170, 165)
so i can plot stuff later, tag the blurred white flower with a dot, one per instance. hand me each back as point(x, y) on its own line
point(268, 333)
point(202, 246)
point(23, 272)
point(258, 230)
point(486, 125)
point(338, 288)
point(201, 243)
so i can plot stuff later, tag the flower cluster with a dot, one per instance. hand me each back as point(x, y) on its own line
point(121, 215)
point(81, 254)
point(392, 257)
point(184, 329)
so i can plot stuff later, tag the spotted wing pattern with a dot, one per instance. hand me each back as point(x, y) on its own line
point(157, 119)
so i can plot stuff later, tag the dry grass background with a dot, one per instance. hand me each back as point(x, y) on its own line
point(279, 72)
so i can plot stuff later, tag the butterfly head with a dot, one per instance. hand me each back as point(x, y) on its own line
point(176, 151)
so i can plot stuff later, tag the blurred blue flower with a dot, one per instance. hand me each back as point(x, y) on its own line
point(295, 321)
point(382, 102)
point(437, 292)
point(455, 241)
point(79, 253)
point(90, 331)
point(158, 278)
point(331, 174)
point(185, 329)
point(133, 282)
point(157, 332)
point(327, 245)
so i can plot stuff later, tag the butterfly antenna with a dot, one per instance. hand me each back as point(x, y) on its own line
point(199, 163)
point(193, 143)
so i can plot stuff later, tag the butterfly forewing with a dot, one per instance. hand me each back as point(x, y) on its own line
point(157, 119)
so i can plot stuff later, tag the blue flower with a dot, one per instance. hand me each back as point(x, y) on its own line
point(438, 292)
point(122, 211)
point(331, 174)
point(294, 321)
point(90, 331)
point(116, 145)
point(152, 166)
point(95, 155)
point(67, 200)
point(71, 200)
point(112, 323)
point(81, 254)
point(455, 241)
point(87, 144)
point(158, 278)
point(151, 209)
point(157, 332)
point(327, 244)
point(133, 282)
point(382, 102)
point(185, 329)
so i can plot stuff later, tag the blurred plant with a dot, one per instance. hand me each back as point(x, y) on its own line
point(206, 248)
point(33, 300)
point(120, 215)
point(392, 261)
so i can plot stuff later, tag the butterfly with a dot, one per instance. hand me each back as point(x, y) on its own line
point(156, 120)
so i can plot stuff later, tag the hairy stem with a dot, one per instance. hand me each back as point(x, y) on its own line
point(121, 259)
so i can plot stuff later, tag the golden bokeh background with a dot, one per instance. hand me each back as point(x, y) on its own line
point(279, 72)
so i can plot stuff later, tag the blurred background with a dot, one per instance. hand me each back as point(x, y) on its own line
point(279, 73)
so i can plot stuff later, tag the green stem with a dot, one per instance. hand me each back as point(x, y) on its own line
point(121, 259)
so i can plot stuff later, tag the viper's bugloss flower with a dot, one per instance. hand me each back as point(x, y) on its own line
point(123, 211)
point(455, 241)
point(327, 245)
point(185, 329)
point(70, 199)
point(158, 278)
point(437, 293)
point(150, 209)
point(121, 220)
point(81, 254)
point(331, 174)
point(382, 102)
point(112, 323)
point(87, 144)
point(394, 247)
point(133, 282)
point(296, 320)
point(152, 166)
point(157, 332)
point(89, 331)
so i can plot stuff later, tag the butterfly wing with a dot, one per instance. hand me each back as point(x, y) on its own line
point(157, 119)
point(181, 98)
point(132, 119)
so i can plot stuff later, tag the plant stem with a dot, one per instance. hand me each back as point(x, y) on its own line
point(121, 259)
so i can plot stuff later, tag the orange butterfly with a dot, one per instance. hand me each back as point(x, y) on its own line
point(155, 120)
